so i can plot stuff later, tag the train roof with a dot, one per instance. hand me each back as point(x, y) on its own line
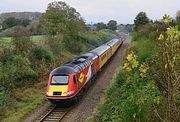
point(78, 64)
point(112, 42)
point(100, 50)
point(64, 70)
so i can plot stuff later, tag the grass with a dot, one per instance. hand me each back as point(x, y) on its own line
point(38, 38)
point(6, 39)
point(26, 101)
point(35, 38)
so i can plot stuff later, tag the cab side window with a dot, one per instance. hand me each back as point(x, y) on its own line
point(75, 79)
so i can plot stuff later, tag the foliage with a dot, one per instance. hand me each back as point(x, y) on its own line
point(112, 24)
point(16, 72)
point(125, 28)
point(132, 96)
point(34, 28)
point(178, 19)
point(100, 26)
point(22, 44)
point(19, 15)
point(60, 18)
point(141, 19)
point(56, 44)
point(12, 21)
point(145, 48)
point(147, 31)
point(42, 53)
point(95, 39)
point(22, 103)
point(165, 63)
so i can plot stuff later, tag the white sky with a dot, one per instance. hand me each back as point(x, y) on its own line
point(123, 11)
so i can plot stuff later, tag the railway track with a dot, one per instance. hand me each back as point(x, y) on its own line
point(55, 114)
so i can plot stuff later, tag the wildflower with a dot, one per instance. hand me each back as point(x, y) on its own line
point(128, 69)
point(125, 65)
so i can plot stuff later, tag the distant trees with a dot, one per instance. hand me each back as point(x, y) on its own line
point(141, 19)
point(100, 26)
point(112, 24)
point(9, 22)
point(12, 21)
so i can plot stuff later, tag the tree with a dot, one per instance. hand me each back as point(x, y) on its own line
point(178, 19)
point(141, 19)
point(112, 24)
point(10, 22)
point(60, 18)
point(24, 22)
point(100, 26)
point(34, 27)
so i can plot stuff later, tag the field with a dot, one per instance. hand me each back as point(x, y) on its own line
point(35, 38)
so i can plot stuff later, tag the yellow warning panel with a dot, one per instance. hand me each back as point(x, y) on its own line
point(81, 78)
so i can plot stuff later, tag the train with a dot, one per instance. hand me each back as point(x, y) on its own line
point(68, 81)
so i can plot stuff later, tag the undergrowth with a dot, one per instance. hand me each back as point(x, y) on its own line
point(131, 95)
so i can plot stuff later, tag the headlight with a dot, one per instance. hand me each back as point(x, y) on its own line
point(48, 93)
point(68, 93)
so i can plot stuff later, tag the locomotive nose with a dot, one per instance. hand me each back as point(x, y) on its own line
point(58, 85)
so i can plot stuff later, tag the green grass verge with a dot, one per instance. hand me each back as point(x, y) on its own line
point(35, 38)
point(26, 101)
point(38, 38)
point(6, 39)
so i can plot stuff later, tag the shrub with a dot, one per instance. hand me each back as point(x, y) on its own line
point(56, 44)
point(145, 48)
point(16, 73)
point(42, 53)
point(132, 96)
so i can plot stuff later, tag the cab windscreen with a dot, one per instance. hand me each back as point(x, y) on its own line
point(59, 80)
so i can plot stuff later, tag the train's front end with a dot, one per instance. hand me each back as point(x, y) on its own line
point(62, 84)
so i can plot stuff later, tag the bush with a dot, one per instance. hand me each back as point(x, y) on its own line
point(56, 44)
point(145, 48)
point(95, 39)
point(42, 53)
point(132, 96)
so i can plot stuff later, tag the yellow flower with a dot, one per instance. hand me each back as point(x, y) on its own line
point(142, 75)
point(130, 56)
point(128, 69)
point(125, 65)
point(135, 63)
point(161, 37)
point(166, 19)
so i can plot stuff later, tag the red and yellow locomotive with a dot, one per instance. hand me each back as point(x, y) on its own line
point(66, 82)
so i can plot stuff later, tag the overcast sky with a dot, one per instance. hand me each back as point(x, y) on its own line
point(124, 11)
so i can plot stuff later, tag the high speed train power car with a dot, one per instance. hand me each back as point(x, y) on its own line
point(68, 81)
